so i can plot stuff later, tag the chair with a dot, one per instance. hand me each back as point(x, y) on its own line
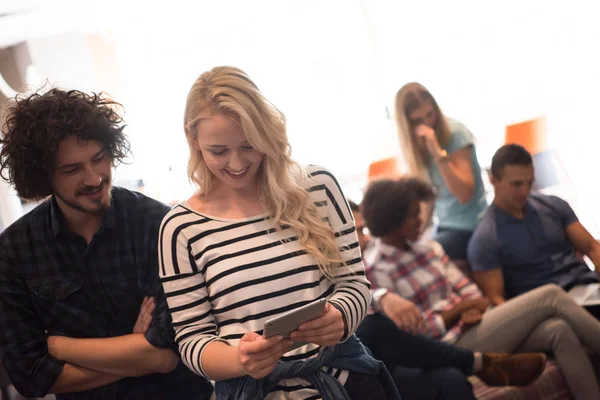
point(550, 386)
point(385, 168)
point(532, 134)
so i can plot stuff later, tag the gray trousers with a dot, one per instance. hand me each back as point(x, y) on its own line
point(546, 320)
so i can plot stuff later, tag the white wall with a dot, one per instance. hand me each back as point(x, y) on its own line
point(11, 61)
point(491, 64)
point(64, 60)
point(333, 66)
point(311, 58)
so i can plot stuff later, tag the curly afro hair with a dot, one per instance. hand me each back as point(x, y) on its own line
point(35, 125)
point(387, 202)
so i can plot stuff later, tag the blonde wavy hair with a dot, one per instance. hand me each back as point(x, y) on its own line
point(409, 98)
point(229, 91)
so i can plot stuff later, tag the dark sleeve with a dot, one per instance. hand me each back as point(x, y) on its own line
point(160, 333)
point(23, 345)
point(483, 251)
point(564, 210)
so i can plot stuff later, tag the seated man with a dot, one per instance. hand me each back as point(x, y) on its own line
point(526, 240)
point(424, 368)
point(75, 271)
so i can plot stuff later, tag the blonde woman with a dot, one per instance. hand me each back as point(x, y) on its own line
point(442, 150)
point(262, 236)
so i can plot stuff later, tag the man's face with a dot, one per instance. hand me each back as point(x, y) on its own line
point(514, 186)
point(81, 178)
point(361, 230)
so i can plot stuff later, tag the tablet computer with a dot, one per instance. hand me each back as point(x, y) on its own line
point(289, 321)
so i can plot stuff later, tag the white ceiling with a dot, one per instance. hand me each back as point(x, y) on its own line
point(17, 6)
point(22, 20)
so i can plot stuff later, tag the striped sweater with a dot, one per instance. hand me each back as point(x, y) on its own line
point(223, 277)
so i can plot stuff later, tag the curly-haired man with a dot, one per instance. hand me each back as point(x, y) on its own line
point(82, 311)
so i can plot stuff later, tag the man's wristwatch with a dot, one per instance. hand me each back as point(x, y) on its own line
point(376, 299)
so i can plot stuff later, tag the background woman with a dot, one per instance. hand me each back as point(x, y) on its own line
point(442, 150)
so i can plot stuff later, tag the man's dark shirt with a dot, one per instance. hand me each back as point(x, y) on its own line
point(53, 283)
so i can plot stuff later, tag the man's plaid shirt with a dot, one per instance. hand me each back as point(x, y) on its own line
point(53, 283)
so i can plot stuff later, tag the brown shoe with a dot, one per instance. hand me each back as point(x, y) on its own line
point(511, 369)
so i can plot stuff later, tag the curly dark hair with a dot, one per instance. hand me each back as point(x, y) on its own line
point(387, 202)
point(353, 206)
point(34, 126)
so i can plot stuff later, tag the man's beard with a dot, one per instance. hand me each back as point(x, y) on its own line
point(102, 207)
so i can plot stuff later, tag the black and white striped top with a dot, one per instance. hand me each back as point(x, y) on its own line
point(224, 277)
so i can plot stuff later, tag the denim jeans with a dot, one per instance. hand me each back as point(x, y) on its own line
point(422, 368)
